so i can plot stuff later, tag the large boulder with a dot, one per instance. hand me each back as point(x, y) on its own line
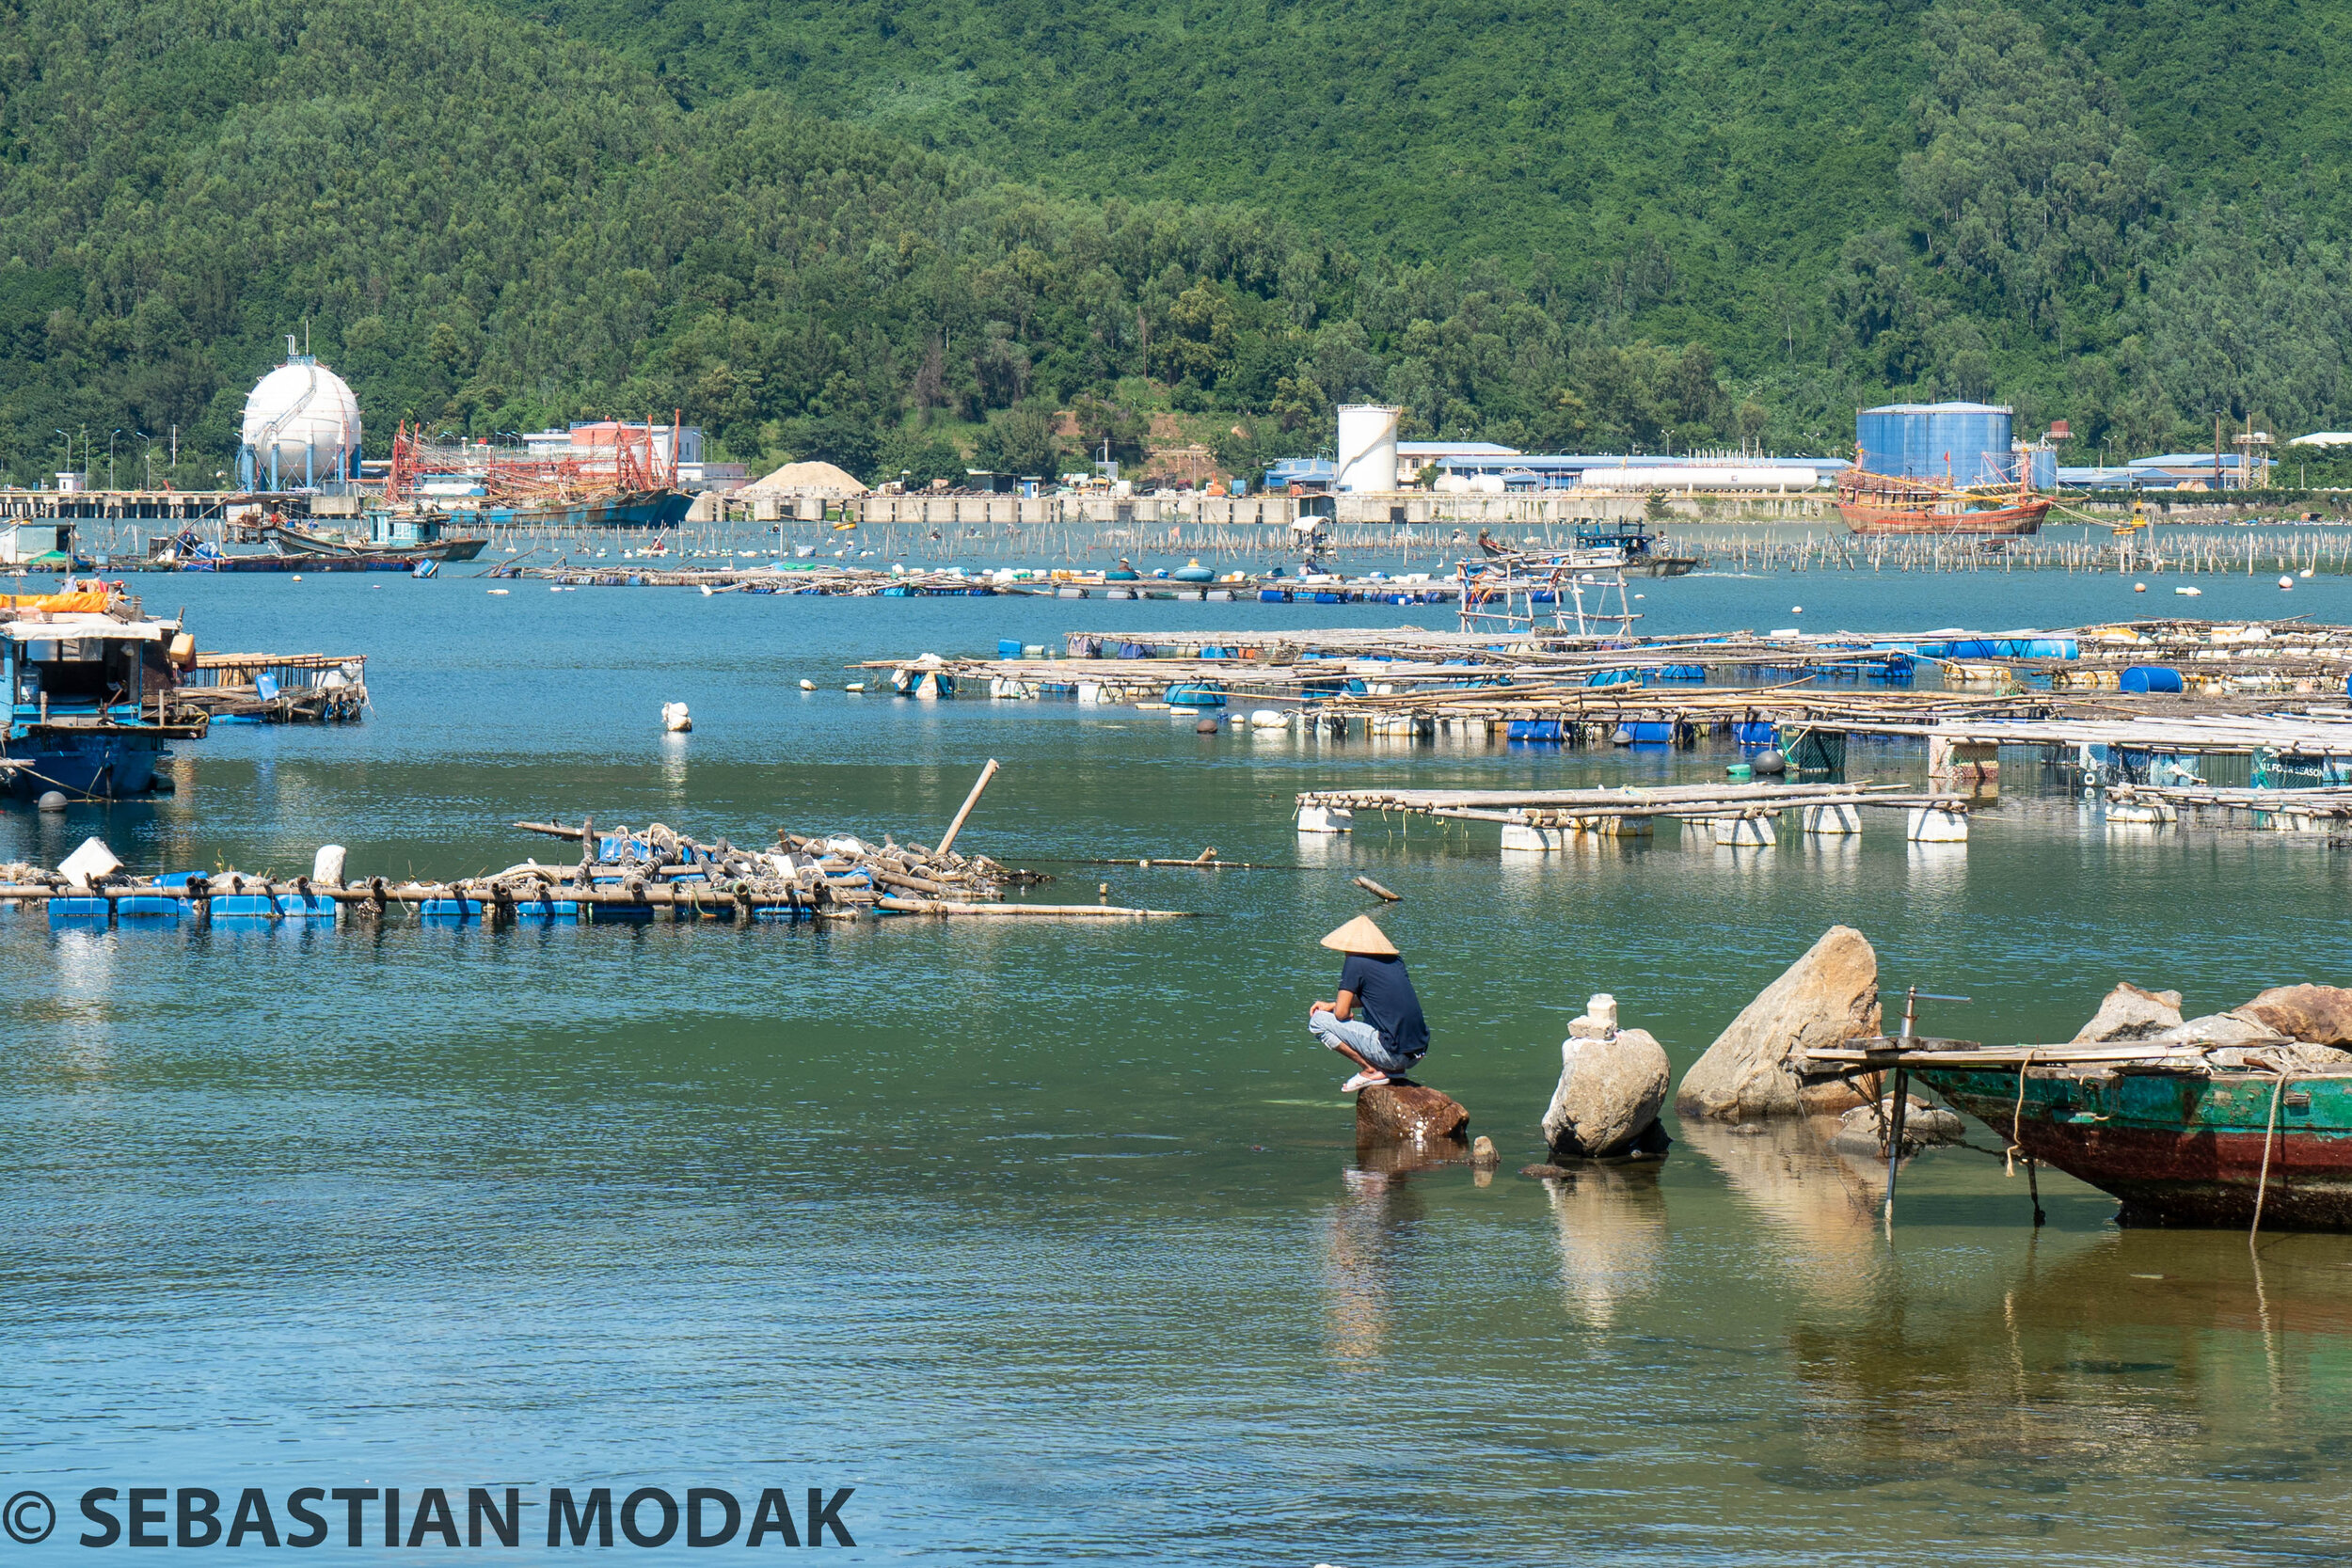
point(1861, 1130)
point(2219, 1029)
point(1828, 996)
point(2132, 1013)
point(2317, 1015)
point(1409, 1113)
point(1609, 1095)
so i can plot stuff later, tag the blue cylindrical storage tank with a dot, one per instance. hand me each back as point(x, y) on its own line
point(2144, 678)
point(1878, 434)
point(1969, 442)
point(2044, 467)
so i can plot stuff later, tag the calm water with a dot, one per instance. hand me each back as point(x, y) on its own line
point(1048, 1240)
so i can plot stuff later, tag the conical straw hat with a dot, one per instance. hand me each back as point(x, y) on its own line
point(1360, 935)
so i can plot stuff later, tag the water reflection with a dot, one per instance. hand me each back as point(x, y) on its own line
point(1819, 1209)
point(1937, 875)
point(1611, 1222)
point(1371, 1244)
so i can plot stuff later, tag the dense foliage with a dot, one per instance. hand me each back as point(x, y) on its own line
point(1591, 227)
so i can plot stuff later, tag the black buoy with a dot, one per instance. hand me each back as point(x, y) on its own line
point(1206, 726)
point(1770, 762)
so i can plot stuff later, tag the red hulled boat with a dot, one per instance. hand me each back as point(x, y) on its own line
point(1887, 503)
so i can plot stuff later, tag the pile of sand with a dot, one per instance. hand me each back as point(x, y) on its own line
point(802, 478)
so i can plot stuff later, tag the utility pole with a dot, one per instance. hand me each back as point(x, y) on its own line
point(110, 459)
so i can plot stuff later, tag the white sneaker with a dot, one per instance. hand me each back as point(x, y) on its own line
point(1363, 1081)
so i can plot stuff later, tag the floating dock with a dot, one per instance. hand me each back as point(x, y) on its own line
point(1730, 815)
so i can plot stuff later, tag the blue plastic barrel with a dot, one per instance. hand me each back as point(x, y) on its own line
point(1008, 647)
point(2153, 677)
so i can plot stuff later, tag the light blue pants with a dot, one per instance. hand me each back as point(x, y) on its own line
point(1359, 1036)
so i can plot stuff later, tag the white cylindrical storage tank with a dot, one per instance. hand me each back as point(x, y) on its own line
point(1697, 478)
point(301, 427)
point(1367, 449)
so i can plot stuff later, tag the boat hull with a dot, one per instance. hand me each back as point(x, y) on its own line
point(636, 509)
point(103, 767)
point(1872, 518)
point(2178, 1148)
point(399, 560)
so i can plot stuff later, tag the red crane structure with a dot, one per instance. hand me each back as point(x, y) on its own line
point(607, 458)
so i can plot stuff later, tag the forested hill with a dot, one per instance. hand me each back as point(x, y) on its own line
point(897, 235)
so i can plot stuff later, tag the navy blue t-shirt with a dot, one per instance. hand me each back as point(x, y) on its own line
point(1384, 995)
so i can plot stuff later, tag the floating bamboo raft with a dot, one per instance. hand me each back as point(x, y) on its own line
point(622, 877)
point(278, 688)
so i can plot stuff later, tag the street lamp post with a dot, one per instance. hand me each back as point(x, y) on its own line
point(110, 459)
point(147, 456)
point(69, 454)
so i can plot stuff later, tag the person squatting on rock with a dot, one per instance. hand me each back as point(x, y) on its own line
point(1391, 1035)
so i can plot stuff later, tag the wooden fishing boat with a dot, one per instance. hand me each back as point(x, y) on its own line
point(2175, 1134)
point(93, 701)
point(1887, 504)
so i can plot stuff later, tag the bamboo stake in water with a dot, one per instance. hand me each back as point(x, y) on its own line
point(969, 801)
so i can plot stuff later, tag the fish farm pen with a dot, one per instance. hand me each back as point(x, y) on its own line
point(622, 877)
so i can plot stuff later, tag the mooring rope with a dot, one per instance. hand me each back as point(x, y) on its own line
point(2017, 1117)
point(2262, 1185)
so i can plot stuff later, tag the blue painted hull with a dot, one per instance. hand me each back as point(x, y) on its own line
point(109, 767)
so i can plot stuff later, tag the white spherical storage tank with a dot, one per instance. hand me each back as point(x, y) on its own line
point(301, 427)
point(1367, 449)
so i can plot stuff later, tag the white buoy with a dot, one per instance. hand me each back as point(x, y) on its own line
point(675, 717)
point(327, 866)
point(2190, 593)
point(1269, 719)
point(297, 576)
point(2304, 573)
point(51, 800)
point(89, 862)
point(808, 686)
point(1524, 837)
point(2286, 582)
point(2139, 588)
point(1325, 819)
point(1833, 819)
point(854, 686)
point(1934, 825)
point(1745, 832)
point(498, 593)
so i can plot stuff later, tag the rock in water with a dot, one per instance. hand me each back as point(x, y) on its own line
point(1923, 1125)
point(1829, 995)
point(1409, 1113)
point(2317, 1015)
point(1483, 1153)
point(2132, 1013)
point(1609, 1095)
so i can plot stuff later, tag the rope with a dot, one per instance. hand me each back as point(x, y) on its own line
point(2017, 1117)
point(2262, 1186)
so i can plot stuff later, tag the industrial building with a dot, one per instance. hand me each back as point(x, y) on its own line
point(2175, 471)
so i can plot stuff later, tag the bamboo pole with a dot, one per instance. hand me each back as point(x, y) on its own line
point(969, 801)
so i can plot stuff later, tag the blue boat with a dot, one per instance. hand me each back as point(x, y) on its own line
point(90, 705)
